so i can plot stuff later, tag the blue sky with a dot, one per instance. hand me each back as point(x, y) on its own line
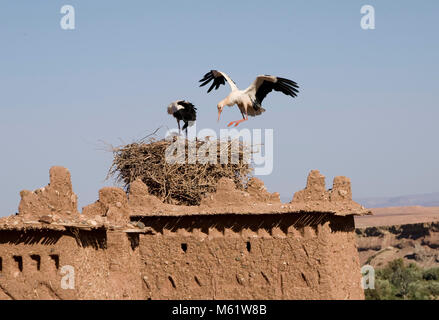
point(368, 106)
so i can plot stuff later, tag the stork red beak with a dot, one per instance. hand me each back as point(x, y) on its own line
point(219, 114)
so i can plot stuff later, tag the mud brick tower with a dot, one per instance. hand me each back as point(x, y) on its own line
point(234, 245)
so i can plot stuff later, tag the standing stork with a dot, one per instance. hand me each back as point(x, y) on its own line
point(185, 111)
point(249, 100)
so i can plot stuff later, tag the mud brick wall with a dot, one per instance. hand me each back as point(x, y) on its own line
point(238, 257)
point(31, 265)
point(235, 245)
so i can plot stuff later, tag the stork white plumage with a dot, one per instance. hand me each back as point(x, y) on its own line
point(249, 100)
point(183, 110)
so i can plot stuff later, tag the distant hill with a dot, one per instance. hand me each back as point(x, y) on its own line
point(425, 200)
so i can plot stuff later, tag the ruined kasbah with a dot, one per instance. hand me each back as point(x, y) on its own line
point(234, 245)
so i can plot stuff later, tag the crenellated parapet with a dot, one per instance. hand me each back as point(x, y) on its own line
point(57, 198)
point(315, 189)
point(237, 244)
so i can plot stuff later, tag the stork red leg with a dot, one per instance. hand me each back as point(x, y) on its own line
point(239, 121)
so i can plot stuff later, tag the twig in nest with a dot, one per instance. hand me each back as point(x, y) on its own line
point(178, 183)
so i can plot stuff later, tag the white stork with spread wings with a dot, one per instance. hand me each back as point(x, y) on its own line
point(249, 100)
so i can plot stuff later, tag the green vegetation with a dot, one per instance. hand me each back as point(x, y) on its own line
point(398, 281)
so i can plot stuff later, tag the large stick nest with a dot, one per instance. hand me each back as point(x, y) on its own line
point(181, 182)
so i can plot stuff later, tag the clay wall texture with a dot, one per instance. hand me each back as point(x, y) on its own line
point(235, 245)
point(235, 257)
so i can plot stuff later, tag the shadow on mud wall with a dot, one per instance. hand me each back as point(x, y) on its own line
point(239, 222)
point(97, 239)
